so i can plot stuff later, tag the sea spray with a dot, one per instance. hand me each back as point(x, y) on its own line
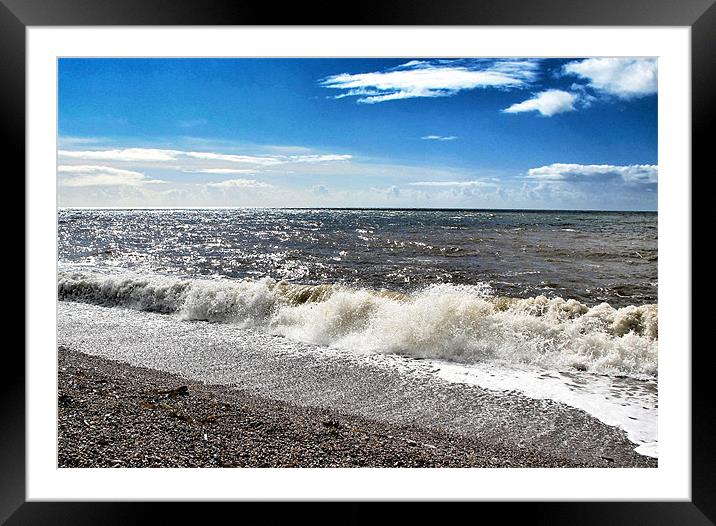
point(461, 323)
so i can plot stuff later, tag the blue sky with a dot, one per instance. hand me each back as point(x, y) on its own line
point(407, 132)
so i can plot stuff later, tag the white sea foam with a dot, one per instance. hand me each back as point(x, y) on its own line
point(622, 402)
point(465, 324)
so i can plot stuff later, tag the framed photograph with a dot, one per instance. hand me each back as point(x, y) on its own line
point(410, 256)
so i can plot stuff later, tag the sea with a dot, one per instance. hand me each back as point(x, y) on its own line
point(559, 305)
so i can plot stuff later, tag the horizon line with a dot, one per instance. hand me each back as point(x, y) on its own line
point(349, 208)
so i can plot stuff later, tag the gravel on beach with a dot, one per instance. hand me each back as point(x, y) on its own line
point(111, 414)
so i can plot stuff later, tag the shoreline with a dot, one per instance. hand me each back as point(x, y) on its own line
point(112, 414)
point(387, 390)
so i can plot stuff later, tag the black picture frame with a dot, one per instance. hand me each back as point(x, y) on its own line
point(17, 15)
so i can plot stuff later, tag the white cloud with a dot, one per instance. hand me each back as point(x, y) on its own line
point(151, 155)
point(318, 158)
point(548, 103)
point(391, 192)
point(584, 97)
point(247, 159)
point(221, 171)
point(439, 138)
point(127, 154)
point(319, 189)
point(68, 140)
point(239, 183)
point(625, 78)
point(454, 184)
point(439, 78)
point(446, 190)
point(102, 176)
point(634, 173)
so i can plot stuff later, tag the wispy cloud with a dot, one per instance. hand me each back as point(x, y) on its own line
point(634, 173)
point(547, 103)
point(102, 176)
point(239, 183)
point(453, 184)
point(435, 78)
point(440, 138)
point(69, 141)
point(390, 192)
point(320, 189)
point(126, 154)
point(318, 158)
point(246, 159)
point(220, 171)
point(154, 155)
point(624, 78)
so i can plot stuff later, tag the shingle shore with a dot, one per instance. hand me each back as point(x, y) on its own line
point(115, 415)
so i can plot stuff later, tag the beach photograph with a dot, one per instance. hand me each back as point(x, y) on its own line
point(409, 262)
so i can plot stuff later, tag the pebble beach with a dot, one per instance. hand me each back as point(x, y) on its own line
point(114, 415)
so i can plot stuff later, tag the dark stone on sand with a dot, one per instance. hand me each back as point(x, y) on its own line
point(179, 391)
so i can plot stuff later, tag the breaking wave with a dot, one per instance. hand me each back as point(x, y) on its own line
point(460, 323)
